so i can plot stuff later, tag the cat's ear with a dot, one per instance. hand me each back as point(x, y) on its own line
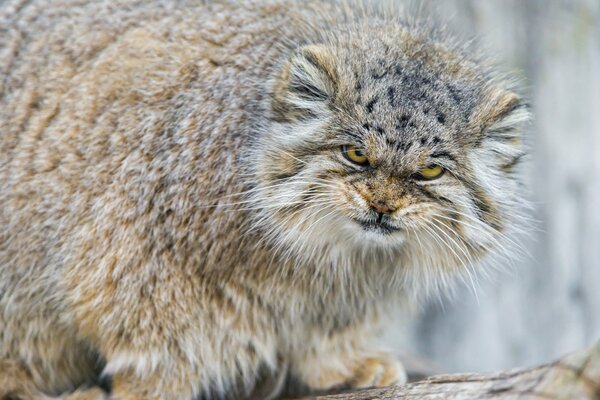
point(305, 84)
point(501, 122)
point(502, 116)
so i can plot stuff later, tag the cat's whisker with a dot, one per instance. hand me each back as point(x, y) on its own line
point(482, 228)
point(261, 189)
point(295, 213)
point(503, 252)
point(291, 155)
point(464, 251)
point(440, 243)
point(299, 202)
point(449, 246)
point(270, 198)
point(494, 242)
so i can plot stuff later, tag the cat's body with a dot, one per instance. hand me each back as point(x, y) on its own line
point(158, 225)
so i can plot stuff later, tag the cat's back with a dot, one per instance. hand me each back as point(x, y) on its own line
point(120, 119)
point(72, 72)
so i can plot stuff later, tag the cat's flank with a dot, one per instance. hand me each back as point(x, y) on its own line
point(216, 199)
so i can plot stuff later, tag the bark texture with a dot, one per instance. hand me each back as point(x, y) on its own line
point(574, 377)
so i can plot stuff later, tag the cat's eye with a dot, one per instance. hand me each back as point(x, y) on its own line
point(355, 155)
point(430, 173)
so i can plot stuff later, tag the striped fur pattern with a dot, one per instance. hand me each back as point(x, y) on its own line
point(178, 220)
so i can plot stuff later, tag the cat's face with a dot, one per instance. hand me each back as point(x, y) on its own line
point(401, 151)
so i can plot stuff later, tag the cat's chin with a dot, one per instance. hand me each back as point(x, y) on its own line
point(372, 234)
point(382, 228)
point(346, 234)
point(378, 238)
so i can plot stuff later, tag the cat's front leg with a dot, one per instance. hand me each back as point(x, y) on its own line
point(346, 360)
point(129, 385)
point(164, 384)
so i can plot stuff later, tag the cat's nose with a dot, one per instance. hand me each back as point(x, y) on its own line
point(380, 207)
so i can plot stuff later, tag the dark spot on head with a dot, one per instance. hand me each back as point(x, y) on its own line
point(403, 122)
point(398, 70)
point(378, 76)
point(371, 104)
point(423, 140)
point(379, 130)
point(441, 118)
point(436, 140)
point(391, 94)
point(358, 85)
point(454, 93)
point(367, 126)
point(404, 146)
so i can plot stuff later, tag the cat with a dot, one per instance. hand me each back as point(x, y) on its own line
point(216, 199)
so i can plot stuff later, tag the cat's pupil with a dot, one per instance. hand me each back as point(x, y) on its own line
point(358, 153)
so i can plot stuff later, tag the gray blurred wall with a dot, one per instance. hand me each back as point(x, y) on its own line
point(550, 303)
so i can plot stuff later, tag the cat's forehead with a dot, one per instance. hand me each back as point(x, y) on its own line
point(407, 105)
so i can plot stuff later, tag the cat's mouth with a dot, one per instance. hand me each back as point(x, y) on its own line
point(379, 226)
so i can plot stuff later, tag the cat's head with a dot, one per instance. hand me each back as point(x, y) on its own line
point(394, 145)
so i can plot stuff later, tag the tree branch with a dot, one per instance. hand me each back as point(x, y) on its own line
point(574, 377)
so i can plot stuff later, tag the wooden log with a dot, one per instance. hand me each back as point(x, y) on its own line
point(574, 377)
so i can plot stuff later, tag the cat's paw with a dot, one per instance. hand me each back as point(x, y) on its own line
point(372, 370)
point(381, 370)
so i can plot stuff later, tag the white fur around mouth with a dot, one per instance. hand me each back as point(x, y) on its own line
point(382, 227)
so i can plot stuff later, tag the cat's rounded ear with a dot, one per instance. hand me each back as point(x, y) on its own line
point(502, 116)
point(500, 122)
point(306, 81)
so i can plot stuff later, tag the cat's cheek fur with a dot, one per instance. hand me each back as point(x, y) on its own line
point(465, 222)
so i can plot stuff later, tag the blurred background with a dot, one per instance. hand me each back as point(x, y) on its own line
point(549, 303)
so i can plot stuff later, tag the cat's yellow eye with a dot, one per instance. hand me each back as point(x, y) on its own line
point(355, 155)
point(431, 172)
